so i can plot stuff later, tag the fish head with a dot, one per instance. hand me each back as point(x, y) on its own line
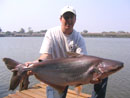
point(107, 67)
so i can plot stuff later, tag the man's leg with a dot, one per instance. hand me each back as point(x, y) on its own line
point(100, 89)
point(52, 93)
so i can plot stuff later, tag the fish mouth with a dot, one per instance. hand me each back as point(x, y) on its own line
point(104, 72)
point(115, 69)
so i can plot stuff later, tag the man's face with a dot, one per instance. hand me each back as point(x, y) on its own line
point(68, 20)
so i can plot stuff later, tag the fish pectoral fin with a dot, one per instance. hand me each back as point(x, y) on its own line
point(78, 89)
point(73, 54)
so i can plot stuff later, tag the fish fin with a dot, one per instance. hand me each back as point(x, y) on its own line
point(96, 75)
point(15, 80)
point(24, 82)
point(11, 64)
point(18, 78)
point(73, 54)
point(18, 72)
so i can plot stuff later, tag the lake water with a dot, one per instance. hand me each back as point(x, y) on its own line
point(25, 49)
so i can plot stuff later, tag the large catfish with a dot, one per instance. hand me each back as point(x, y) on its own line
point(59, 73)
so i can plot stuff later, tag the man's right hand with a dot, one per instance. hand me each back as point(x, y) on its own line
point(28, 64)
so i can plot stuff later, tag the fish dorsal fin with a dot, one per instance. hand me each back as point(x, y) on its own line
point(72, 54)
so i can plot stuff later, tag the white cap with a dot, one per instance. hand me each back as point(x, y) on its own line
point(68, 9)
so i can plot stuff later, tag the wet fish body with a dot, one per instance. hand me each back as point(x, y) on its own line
point(58, 73)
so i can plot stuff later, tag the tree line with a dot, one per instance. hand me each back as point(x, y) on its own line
point(22, 31)
point(85, 33)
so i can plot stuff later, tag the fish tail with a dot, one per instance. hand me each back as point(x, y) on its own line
point(24, 83)
point(18, 72)
point(15, 80)
point(10, 63)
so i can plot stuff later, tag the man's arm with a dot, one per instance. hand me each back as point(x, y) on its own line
point(44, 56)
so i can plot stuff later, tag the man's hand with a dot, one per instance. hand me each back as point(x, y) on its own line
point(28, 64)
point(96, 81)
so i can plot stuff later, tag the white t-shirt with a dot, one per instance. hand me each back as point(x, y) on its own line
point(58, 44)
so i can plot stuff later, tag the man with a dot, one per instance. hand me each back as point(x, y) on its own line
point(60, 40)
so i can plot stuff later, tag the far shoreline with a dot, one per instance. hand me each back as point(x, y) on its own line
point(91, 35)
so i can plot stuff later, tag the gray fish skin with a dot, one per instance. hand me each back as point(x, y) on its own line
point(75, 70)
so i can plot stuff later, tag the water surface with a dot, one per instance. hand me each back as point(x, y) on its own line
point(25, 49)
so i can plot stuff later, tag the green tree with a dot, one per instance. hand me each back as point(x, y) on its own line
point(121, 31)
point(85, 31)
point(30, 31)
point(112, 32)
point(43, 31)
point(7, 32)
point(0, 30)
point(22, 30)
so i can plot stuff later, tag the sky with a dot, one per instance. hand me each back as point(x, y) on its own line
point(92, 15)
